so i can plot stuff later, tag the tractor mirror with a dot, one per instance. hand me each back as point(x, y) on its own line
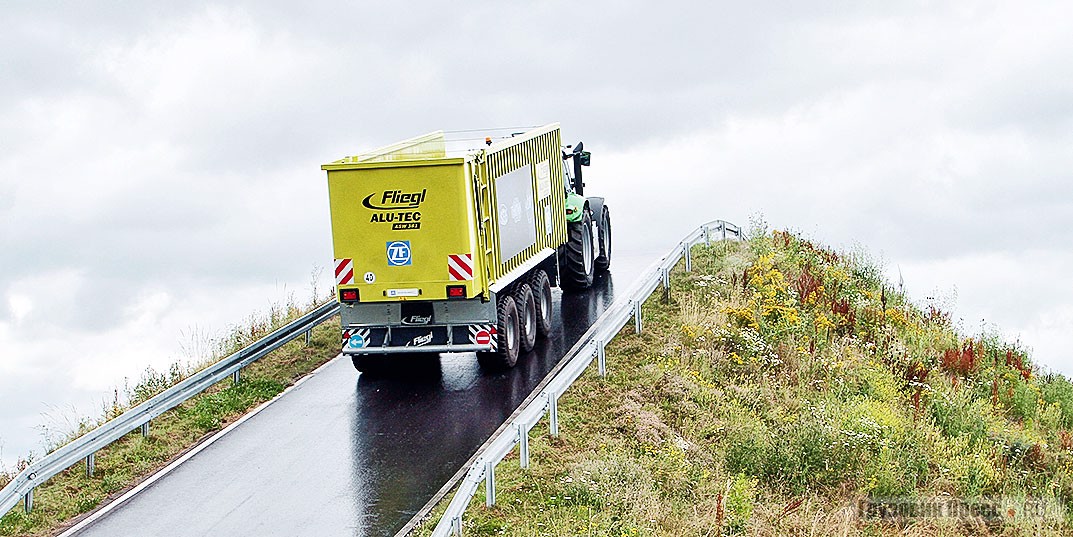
point(585, 158)
point(580, 146)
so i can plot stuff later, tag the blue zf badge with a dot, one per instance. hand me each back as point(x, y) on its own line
point(398, 253)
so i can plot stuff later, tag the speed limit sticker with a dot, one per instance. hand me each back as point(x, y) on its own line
point(370, 277)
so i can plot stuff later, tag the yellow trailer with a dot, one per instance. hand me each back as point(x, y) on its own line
point(438, 250)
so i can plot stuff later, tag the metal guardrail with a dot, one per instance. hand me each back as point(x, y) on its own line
point(86, 446)
point(590, 346)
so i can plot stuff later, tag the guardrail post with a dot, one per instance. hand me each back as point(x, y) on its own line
point(308, 335)
point(637, 316)
point(489, 484)
point(456, 525)
point(91, 463)
point(553, 414)
point(523, 447)
point(665, 277)
point(723, 226)
point(28, 501)
point(689, 258)
point(707, 236)
point(145, 429)
point(236, 377)
point(601, 358)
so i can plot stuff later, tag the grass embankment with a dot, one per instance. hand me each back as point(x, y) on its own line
point(133, 458)
point(783, 385)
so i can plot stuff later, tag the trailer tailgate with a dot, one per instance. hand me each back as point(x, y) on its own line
point(405, 230)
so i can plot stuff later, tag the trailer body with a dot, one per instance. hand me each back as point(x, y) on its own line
point(426, 240)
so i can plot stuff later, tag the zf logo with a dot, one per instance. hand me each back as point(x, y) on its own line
point(398, 253)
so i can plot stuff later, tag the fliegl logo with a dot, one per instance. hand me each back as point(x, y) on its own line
point(420, 340)
point(417, 319)
point(395, 207)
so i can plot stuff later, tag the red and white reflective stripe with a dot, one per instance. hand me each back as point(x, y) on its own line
point(483, 334)
point(460, 267)
point(351, 332)
point(344, 271)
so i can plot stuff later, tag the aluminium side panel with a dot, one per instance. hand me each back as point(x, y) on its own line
point(524, 196)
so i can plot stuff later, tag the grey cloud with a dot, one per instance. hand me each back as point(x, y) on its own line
point(855, 120)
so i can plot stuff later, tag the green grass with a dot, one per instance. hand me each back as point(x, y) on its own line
point(781, 386)
point(130, 460)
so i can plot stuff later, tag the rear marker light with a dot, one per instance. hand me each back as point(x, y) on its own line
point(456, 291)
point(348, 295)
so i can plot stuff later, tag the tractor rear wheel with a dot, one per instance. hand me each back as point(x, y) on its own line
point(577, 263)
point(603, 259)
point(507, 337)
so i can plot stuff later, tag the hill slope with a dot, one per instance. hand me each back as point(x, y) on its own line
point(786, 389)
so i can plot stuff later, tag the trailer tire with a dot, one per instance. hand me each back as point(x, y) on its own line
point(507, 337)
point(603, 259)
point(541, 286)
point(527, 321)
point(577, 263)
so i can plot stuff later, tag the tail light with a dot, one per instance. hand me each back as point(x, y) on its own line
point(348, 295)
point(456, 291)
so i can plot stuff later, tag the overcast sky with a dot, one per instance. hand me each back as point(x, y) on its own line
point(159, 162)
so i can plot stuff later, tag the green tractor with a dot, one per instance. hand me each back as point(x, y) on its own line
point(588, 250)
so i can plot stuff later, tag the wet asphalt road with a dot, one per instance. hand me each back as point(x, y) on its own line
point(349, 454)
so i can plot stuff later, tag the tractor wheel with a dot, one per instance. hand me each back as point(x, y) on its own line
point(603, 260)
point(507, 336)
point(527, 322)
point(576, 266)
point(541, 287)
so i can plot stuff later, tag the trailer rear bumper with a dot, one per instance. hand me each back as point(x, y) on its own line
point(426, 348)
point(467, 337)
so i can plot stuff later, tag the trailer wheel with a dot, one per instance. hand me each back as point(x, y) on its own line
point(507, 336)
point(541, 286)
point(527, 321)
point(603, 260)
point(577, 262)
